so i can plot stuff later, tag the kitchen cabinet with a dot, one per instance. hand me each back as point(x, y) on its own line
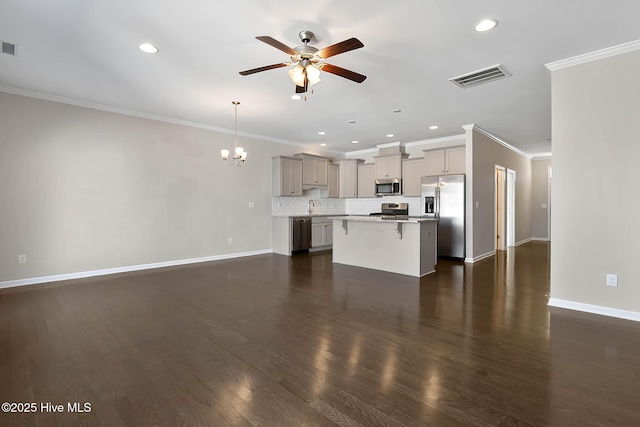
point(315, 171)
point(389, 166)
point(321, 232)
point(366, 180)
point(286, 176)
point(447, 161)
point(412, 173)
point(334, 177)
point(348, 179)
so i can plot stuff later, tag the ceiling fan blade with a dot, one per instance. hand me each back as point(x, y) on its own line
point(342, 72)
point(265, 68)
point(341, 47)
point(275, 43)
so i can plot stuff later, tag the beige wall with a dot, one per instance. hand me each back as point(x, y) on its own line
point(486, 154)
point(540, 197)
point(596, 148)
point(83, 189)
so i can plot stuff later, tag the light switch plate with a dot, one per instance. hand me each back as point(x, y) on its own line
point(612, 280)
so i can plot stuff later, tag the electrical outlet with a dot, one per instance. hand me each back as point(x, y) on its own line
point(612, 280)
point(230, 240)
point(477, 205)
point(544, 206)
point(22, 259)
point(251, 204)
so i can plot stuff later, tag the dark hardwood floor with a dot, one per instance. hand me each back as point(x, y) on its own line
point(277, 341)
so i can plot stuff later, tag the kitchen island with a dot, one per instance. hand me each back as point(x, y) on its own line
point(404, 246)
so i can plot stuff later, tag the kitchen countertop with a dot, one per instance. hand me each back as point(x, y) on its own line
point(367, 218)
point(309, 215)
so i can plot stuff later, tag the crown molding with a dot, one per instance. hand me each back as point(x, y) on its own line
point(132, 113)
point(594, 56)
point(435, 140)
point(496, 139)
point(363, 151)
point(390, 144)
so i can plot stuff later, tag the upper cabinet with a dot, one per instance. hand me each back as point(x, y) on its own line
point(315, 171)
point(389, 166)
point(286, 176)
point(334, 177)
point(412, 172)
point(348, 179)
point(366, 180)
point(447, 161)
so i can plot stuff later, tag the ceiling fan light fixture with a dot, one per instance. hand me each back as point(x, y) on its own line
point(296, 74)
point(313, 74)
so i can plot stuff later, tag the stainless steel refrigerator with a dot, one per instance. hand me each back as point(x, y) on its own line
point(443, 198)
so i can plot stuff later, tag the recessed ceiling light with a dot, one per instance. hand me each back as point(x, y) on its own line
point(433, 127)
point(296, 97)
point(323, 144)
point(486, 25)
point(397, 110)
point(390, 135)
point(148, 48)
point(351, 122)
point(354, 142)
point(321, 132)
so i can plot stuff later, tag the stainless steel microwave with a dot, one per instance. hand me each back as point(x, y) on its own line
point(388, 187)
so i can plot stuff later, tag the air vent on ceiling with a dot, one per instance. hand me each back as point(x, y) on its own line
point(8, 48)
point(479, 77)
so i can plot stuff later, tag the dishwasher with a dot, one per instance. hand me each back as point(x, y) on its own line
point(301, 233)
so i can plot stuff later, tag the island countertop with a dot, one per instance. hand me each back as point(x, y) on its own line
point(367, 218)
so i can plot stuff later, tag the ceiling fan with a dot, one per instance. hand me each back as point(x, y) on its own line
point(307, 61)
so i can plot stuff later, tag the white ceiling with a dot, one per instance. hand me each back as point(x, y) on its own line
point(88, 50)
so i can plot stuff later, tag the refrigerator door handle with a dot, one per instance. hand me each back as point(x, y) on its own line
point(437, 202)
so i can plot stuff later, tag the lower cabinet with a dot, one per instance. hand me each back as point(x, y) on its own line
point(321, 232)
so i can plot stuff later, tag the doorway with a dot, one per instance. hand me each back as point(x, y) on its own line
point(499, 208)
point(505, 208)
point(511, 208)
point(549, 204)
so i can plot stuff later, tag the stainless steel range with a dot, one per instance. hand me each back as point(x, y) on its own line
point(393, 211)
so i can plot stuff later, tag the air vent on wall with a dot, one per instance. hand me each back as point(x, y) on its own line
point(479, 77)
point(9, 48)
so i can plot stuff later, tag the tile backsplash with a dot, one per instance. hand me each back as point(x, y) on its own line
point(316, 201)
point(367, 206)
point(312, 199)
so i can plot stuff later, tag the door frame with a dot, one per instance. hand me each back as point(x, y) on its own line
point(549, 176)
point(511, 208)
point(498, 208)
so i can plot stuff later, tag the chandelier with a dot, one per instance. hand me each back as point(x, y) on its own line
point(239, 155)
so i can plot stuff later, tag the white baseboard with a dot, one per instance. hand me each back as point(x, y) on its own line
point(480, 257)
point(522, 242)
point(595, 309)
point(540, 239)
point(126, 269)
